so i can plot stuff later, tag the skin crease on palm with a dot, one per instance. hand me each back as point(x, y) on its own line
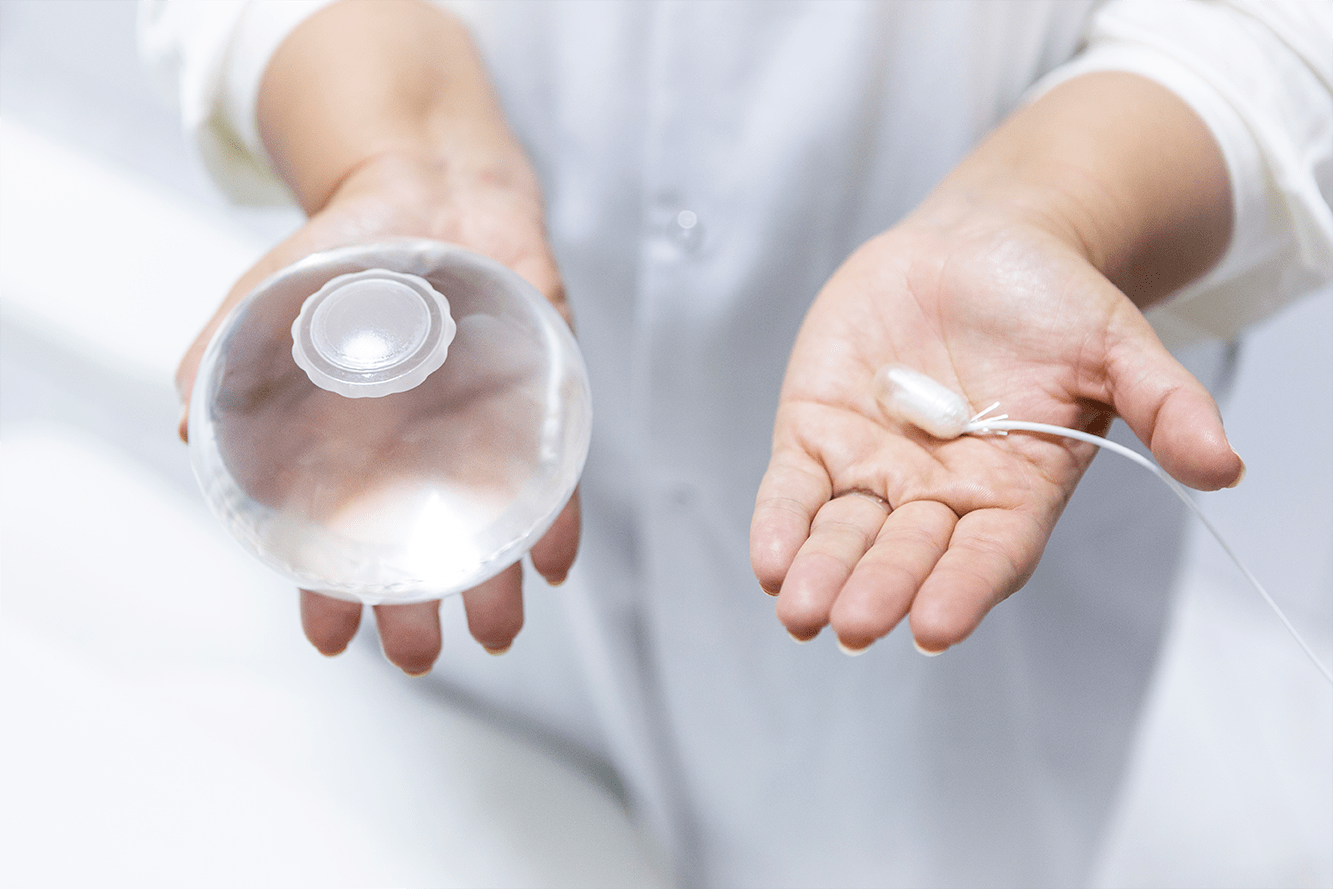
point(1009, 283)
point(989, 504)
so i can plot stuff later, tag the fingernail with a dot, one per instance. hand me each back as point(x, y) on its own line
point(496, 652)
point(416, 675)
point(852, 652)
point(557, 581)
point(799, 639)
point(1240, 478)
point(183, 426)
point(767, 591)
point(926, 651)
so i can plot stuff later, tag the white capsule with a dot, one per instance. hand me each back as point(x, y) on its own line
point(915, 398)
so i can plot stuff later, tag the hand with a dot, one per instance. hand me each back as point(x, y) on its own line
point(396, 195)
point(998, 307)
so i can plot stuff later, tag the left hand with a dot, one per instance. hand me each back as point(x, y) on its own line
point(998, 308)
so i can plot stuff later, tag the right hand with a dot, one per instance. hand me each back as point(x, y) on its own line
point(499, 216)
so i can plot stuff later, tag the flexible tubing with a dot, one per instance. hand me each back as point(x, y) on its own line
point(980, 426)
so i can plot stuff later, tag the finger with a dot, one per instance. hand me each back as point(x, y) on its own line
point(329, 623)
point(792, 491)
point(1189, 442)
point(841, 533)
point(410, 635)
point(1171, 412)
point(991, 554)
point(186, 372)
point(495, 610)
point(882, 586)
point(188, 369)
point(554, 554)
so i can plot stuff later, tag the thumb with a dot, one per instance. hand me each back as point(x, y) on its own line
point(306, 240)
point(1170, 411)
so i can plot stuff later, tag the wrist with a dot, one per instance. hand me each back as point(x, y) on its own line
point(359, 83)
point(1114, 166)
point(421, 183)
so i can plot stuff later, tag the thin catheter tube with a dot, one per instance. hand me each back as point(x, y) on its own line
point(980, 426)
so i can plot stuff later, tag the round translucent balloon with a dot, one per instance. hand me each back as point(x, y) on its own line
point(410, 434)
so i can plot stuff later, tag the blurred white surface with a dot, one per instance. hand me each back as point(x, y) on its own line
point(166, 720)
point(108, 265)
point(165, 723)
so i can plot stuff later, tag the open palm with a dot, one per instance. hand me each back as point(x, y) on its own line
point(862, 520)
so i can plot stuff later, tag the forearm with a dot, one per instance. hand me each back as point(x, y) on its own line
point(361, 80)
point(1119, 168)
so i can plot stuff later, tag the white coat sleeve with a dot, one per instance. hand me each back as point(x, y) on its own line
point(1260, 76)
point(209, 58)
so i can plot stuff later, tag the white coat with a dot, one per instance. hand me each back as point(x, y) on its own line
point(706, 167)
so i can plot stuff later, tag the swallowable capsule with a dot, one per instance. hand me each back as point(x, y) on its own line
point(915, 398)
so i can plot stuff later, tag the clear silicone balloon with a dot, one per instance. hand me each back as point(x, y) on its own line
point(390, 422)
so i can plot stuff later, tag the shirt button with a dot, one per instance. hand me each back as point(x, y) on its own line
point(687, 231)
